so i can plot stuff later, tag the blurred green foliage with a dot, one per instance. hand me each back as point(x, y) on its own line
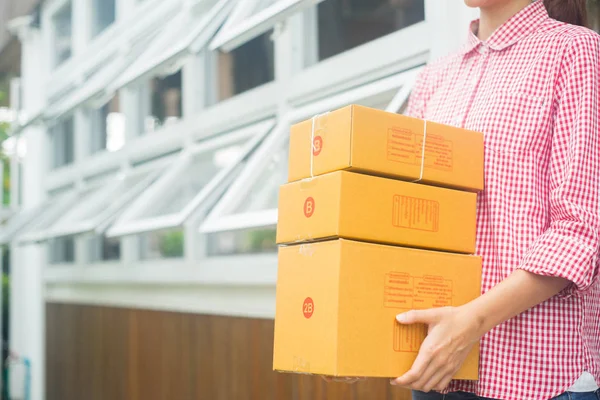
point(6, 164)
point(171, 244)
point(262, 240)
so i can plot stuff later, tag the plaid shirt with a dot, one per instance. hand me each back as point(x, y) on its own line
point(533, 90)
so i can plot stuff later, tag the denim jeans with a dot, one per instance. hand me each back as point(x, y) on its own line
point(469, 396)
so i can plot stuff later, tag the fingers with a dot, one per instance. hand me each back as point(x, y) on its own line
point(443, 384)
point(434, 381)
point(419, 317)
point(437, 376)
point(419, 367)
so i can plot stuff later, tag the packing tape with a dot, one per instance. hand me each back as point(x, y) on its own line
point(306, 250)
point(422, 153)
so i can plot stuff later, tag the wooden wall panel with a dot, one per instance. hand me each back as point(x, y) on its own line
point(101, 353)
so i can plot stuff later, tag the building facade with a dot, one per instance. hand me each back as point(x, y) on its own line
point(143, 261)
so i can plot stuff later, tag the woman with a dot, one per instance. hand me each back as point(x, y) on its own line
point(531, 84)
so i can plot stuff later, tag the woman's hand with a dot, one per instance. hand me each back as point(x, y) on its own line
point(452, 333)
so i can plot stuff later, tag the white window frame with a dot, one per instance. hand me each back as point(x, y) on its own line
point(99, 223)
point(97, 89)
point(130, 222)
point(53, 209)
point(362, 64)
point(243, 26)
point(186, 34)
point(147, 19)
point(220, 219)
point(17, 223)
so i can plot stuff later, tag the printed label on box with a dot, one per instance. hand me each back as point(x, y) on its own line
point(408, 338)
point(415, 213)
point(405, 146)
point(413, 293)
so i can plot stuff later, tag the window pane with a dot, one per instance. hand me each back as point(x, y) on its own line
point(594, 14)
point(108, 127)
point(247, 241)
point(345, 24)
point(246, 67)
point(62, 34)
point(62, 143)
point(61, 251)
point(88, 206)
point(198, 174)
point(163, 104)
point(265, 194)
point(104, 15)
point(101, 248)
point(162, 244)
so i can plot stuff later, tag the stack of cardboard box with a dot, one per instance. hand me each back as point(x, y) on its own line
point(373, 224)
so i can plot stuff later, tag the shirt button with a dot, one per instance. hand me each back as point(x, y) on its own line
point(483, 49)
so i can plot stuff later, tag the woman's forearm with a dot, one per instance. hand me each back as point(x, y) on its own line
point(519, 292)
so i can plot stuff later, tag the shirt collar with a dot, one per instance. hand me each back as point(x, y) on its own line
point(521, 25)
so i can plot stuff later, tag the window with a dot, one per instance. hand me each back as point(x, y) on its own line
point(34, 226)
point(246, 67)
point(103, 15)
point(96, 207)
point(186, 33)
point(594, 14)
point(244, 220)
point(108, 127)
point(192, 184)
point(62, 138)
point(345, 24)
point(61, 251)
point(162, 244)
point(250, 19)
point(62, 38)
point(102, 249)
point(161, 102)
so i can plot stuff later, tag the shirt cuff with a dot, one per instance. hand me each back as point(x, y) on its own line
point(565, 257)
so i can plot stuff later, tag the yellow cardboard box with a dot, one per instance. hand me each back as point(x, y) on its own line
point(376, 142)
point(337, 302)
point(362, 207)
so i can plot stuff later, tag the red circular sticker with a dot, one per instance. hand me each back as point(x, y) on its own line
point(308, 308)
point(309, 207)
point(317, 145)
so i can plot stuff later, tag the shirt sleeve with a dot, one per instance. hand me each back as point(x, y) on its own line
point(569, 247)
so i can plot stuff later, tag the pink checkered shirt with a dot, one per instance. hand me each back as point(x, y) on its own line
point(533, 90)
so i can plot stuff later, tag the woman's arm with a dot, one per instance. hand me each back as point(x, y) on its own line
point(454, 331)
